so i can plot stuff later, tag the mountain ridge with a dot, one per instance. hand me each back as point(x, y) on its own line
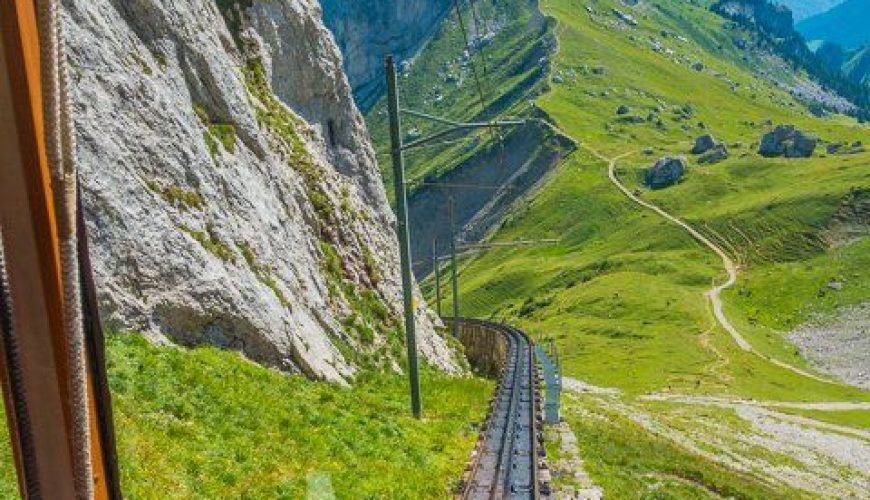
point(845, 24)
point(803, 9)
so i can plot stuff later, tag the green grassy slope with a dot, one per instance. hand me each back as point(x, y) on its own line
point(206, 423)
point(623, 290)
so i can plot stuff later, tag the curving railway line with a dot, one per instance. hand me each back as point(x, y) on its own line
point(506, 462)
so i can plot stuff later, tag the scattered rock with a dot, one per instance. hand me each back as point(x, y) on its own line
point(698, 66)
point(838, 343)
point(715, 155)
point(623, 109)
point(703, 144)
point(818, 110)
point(631, 119)
point(626, 18)
point(835, 285)
point(599, 70)
point(666, 172)
point(786, 140)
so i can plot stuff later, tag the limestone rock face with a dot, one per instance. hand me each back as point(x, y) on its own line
point(230, 189)
point(786, 140)
point(666, 172)
point(369, 30)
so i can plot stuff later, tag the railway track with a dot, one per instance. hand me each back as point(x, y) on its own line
point(506, 461)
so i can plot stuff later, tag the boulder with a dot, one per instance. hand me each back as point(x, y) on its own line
point(802, 146)
point(703, 144)
point(666, 172)
point(715, 155)
point(635, 119)
point(624, 17)
point(787, 141)
point(623, 109)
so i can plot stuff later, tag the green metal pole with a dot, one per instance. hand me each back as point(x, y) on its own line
point(437, 276)
point(453, 270)
point(402, 230)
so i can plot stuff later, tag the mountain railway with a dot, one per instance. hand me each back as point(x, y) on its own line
point(507, 460)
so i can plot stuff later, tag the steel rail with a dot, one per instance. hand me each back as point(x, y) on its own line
point(506, 460)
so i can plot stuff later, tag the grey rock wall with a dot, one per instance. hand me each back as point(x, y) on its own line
point(368, 30)
point(210, 224)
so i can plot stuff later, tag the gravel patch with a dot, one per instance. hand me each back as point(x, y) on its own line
point(839, 344)
point(579, 386)
point(570, 469)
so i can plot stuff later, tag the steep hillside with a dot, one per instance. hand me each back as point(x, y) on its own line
point(845, 24)
point(495, 75)
point(599, 274)
point(232, 195)
point(857, 67)
point(674, 393)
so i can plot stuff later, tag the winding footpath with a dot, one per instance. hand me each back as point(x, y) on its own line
point(714, 295)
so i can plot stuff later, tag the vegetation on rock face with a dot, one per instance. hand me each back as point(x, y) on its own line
point(213, 243)
point(178, 197)
point(216, 134)
point(368, 313)
point(206, 423)
point(263, 272)
point(283, 125)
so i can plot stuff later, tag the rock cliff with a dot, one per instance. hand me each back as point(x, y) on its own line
point(231, 193)
point(368, 30)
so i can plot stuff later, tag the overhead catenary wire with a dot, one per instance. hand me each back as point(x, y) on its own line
point(448, 185)
point(468, 50)
point(476, 19)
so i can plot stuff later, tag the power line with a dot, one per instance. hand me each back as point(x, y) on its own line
point(470, 58)
point(448, 185)
point(477, 24)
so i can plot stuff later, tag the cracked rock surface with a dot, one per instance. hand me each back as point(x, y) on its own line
point(231, 192)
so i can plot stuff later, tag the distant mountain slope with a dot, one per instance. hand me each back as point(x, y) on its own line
point(804, 9)
point(846, 24)
point(853, 64)
point(773, 26)
point(858, 67)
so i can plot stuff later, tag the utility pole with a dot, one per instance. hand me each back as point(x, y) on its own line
point(396, 152)
point(402, 230)
point(437, 265)
point(455, 278)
